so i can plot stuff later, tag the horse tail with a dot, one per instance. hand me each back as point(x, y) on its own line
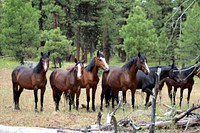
point(14, 75)
point(106, 88)
point(52, 77)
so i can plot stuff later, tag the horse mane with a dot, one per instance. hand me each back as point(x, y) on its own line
point(38, 67)
point(129, 63)
point(71, 70)
point(90, 66)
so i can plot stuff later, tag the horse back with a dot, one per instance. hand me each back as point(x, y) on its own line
point(58, 79)
point(118, 78)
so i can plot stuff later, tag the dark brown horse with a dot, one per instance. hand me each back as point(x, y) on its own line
point(186, 76)
point(123, 78)
point(31, 79)
point(90, 77)
point(67, 82)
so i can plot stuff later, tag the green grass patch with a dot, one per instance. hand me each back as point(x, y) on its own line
point(8, 63)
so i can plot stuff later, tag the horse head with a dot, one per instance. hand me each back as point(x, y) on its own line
point(79, 68)
point(174, 73)
point(45, 60)
point(142, 63)
point(101, 62)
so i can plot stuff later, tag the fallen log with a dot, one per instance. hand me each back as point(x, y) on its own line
point(177, 118)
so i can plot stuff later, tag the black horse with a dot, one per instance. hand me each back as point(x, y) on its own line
point(147, 82)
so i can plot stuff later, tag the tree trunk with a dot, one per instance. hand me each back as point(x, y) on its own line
point(105, 47)
point(78, 45)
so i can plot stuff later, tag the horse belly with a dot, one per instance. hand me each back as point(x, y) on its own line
point(25, 82)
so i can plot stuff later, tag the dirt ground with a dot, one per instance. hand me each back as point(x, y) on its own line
point(73, 119)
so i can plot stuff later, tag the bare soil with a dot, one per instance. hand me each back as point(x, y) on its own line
point(74, 119)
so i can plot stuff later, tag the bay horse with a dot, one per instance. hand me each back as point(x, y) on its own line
point(186, 76)
point(123, 78)
point(31, 79)
point(67, 82)
point(147, 82)
point(90, 77)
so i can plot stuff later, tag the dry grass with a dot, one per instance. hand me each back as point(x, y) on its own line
point(74, 119)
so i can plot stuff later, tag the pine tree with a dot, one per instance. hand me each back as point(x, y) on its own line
point(190, 39)
point(57, 44)
point(20, 33)
point(139, 34)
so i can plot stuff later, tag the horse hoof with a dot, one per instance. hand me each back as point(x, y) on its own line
point(17, 108)
point(36, 111)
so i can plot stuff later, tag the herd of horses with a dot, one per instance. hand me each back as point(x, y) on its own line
point(135, 74)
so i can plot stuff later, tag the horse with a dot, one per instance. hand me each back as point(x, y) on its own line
point(147, 82)
point(31, 79)
point(90, 77)
point(67, 82)
point(123, 78)
point(186, 76)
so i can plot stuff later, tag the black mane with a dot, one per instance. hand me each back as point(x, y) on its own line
point(129, 63)
point(39, 67)
point(90, 66)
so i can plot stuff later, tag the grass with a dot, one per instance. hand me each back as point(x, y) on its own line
point(73, 119)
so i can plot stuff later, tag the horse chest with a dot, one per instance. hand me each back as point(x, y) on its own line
point(38, 80)
point(90, 79)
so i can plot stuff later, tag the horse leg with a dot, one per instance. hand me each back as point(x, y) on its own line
point(147, 103)
point(42, 98)
point(181, 97)
point(113, 99)
point(88, 97)
point(148, 93)
point(57, 97)
point(77, 97)
point(15, 95)
point(102, 97)
point(170, 93)
point(133, 98)
point(18, 95)
point(36, 99)
point(174, 96)
point(93, 97)
point(71, 99)
point(188, 97)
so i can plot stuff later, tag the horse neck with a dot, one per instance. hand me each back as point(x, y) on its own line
point(39, 69)
point(164, 74)
point(95, 70)
point(92, 67)
point(133, 70)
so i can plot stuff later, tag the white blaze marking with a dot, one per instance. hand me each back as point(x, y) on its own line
point(104, 61)
point(79, 71)
point(147, 67)
point(45, 66)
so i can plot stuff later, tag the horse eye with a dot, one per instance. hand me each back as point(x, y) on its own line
point(99, 59)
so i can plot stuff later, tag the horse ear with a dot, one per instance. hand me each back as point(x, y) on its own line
point(139, 54)
point(41, 53)
point(173, 63)
point(48, 53)
point(75, 60)
point(97, 53)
